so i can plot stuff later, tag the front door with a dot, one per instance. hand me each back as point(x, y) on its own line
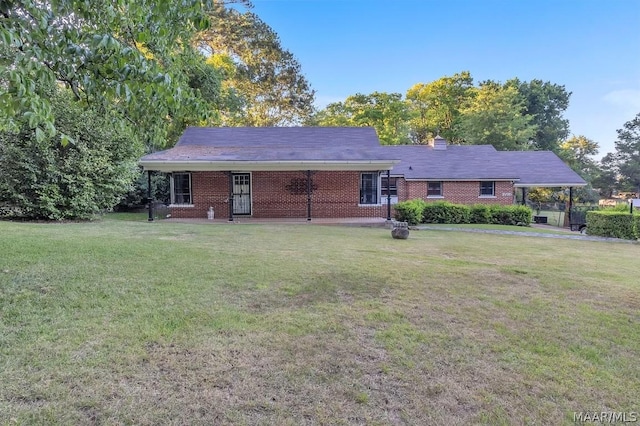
point(242, 193)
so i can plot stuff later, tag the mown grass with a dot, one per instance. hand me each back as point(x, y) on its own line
point(492, 227)
point(119, 322)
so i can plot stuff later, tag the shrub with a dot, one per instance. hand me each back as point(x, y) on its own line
point(444, 212)
point(510, 215)
point(610, 223)
point(410, 211)
point(480, 213)
point(42, 179)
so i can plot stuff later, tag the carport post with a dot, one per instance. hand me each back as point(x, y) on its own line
point(570, 204)
point(149, 199)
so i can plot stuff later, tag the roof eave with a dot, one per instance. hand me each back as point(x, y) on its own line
point(258, 166)
point(547, 185)
point(475, 179)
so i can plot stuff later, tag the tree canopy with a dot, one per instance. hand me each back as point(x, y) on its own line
point(545, 103)
point(515, 115)
point(386, 112)
point(436, 107)
point(45, 180)
point(258, 69)
point(126, 53)
point(495, 116)
point(627, 155)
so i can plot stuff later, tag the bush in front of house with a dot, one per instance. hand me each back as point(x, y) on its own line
point(510, 215)
point(410, 211)
point(615, 224)
point(445, 212)
point(418, 211)
point(480, 213)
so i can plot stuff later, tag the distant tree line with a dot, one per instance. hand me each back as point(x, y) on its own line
point(515, 115)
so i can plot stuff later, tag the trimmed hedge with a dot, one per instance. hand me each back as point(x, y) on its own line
point(615, 224)
point(444, 212)
point(480, 213)
point(511, 215)
point(410, 211)
point(418, 211)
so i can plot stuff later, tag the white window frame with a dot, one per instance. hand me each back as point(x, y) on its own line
point(493, 189)
point(393, 190)
point(441, 194)
point(173, 190)
point(377, 183)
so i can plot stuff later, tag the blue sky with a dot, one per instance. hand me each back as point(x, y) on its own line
point(361, 46)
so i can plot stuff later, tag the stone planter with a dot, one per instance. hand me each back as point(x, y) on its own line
point(400, 230)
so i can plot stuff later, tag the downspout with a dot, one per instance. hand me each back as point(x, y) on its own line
point(149, 199)
point(230, 197)
point(308, 195)
point(388, 195)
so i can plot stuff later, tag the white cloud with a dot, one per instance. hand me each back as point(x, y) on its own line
point(628, 99)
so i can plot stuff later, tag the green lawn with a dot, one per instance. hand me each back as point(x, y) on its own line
point(128, 322)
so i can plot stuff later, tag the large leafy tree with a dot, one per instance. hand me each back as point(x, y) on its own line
point(577, 152)
point(496, 116)
point(545, 102)
point(436, 106)
point(267, 76)
point(44, 179)
point(627, 155)
point(125, 53)
point(605, 180)
point(388, 113)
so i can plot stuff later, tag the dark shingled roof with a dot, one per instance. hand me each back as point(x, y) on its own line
point(483, 162)
point(275, 144)
point(540, 168)
point(286, 137)
point(454, 163)
point(205, 146)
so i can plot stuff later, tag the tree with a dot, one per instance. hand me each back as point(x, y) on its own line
point(121, 53)
point(386, 112)
point(436, 106)
point(266, 75)
point(545, 102)
point(46, 180)
point(576, 152)
point(496, 117)
point(627, 156)
point(605, 179)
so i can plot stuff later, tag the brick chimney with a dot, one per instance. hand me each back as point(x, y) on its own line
point(438, 143)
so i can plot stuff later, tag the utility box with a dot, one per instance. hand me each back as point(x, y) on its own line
point(540, 219)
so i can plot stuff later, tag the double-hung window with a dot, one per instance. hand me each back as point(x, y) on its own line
point(181, 188)
point(434, 189)
point(487, 189)
point(369, 188)
point(389, 188)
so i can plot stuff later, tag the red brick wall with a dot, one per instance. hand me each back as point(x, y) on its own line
point(337, 195)
point(459, 192)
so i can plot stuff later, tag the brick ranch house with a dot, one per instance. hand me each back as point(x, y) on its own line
point(337, 172)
